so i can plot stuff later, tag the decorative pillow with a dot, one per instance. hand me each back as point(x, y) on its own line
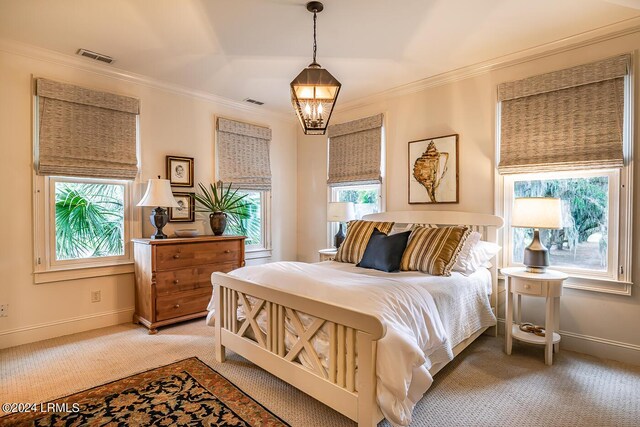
point(434, 250)
point(384, 252)
point(481, 254)
point(463, 264)
point(358, 234)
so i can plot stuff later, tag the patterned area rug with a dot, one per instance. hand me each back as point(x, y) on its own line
point(183, 393)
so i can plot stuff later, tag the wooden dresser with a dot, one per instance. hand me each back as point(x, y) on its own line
point(173, 276)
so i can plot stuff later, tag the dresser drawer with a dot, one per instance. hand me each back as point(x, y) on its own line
point(528, 287)
point(182, 304)
point(185, 279)
point(193, 254)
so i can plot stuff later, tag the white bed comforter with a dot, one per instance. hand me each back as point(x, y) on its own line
point(416, 337)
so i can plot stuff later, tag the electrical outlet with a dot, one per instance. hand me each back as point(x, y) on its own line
point(4, 310)
point(95, 296)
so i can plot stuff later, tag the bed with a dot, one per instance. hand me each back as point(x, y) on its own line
point(363, 356)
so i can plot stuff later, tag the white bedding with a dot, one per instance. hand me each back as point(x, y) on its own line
point(425, 317)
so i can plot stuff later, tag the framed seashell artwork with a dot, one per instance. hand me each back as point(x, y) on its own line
point(433, 170)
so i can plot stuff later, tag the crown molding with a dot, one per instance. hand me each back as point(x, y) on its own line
point(71, 61)
point(608, 32)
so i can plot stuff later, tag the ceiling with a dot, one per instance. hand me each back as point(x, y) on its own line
point(254, 48)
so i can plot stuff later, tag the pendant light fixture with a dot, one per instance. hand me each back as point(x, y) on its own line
point(314, 91)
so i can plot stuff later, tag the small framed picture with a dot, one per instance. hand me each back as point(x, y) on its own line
point(186, 211)
point(433, 170)
point(180, 171)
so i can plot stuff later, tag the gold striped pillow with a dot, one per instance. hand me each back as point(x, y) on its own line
point(434, 250)
point(358, 235)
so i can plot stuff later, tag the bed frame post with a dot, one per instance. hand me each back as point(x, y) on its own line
point(219, 348)
point(367, 403)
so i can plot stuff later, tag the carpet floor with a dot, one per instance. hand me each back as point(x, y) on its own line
point(481, 387)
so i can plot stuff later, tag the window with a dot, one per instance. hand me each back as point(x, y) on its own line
point(243, 159)
point(89, 219)
point(567, 134)
point(587, 243)
point(85, 162)
point(366, 198)
point(255, 228)
point(356, 165)
point(81, 223)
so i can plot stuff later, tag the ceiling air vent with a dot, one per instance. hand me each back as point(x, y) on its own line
point(253, 101)
point(95, 55)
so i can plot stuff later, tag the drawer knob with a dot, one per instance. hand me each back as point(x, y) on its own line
point(175, 282)
point(176, 306)
point(527, 286)
point(176, 256)
point(227, 251)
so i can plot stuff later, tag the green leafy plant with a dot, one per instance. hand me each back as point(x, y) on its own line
point(89, 220)
point(218, 198)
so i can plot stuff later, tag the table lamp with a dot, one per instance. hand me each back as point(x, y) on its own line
point(159, 194)
point(536, 213)
point(340, 212)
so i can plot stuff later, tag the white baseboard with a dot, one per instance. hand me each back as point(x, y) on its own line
point(43, 331)
point(595, 346)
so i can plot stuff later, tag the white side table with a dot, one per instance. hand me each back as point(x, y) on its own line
point(327, 254)
point(548, 285)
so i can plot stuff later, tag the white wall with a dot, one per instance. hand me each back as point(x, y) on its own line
point(170, 123)
point(597, 323)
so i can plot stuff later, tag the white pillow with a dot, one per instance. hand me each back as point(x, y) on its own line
point(461, 264)
point(479, 256)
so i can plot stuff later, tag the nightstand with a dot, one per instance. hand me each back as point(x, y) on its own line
point(327, 254)
point(547, 285)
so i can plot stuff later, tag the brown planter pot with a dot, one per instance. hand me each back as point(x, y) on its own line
point(218, 222)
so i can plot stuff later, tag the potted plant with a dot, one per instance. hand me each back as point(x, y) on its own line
point(223, 205)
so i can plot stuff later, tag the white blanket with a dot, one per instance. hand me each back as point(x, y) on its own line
point(416, 337)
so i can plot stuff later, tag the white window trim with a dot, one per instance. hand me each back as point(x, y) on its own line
point(265, 250)
point(46, 268)
point(622, 285)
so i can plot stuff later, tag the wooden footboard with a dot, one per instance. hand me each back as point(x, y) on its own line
point(350, 332)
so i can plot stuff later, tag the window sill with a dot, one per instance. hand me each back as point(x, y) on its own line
point(257, 253)
point(81, 273)
point(607, 286)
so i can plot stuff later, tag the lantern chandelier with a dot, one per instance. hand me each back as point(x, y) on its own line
point(314, 91)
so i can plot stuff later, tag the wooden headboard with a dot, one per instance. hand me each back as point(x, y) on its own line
point(485, 224)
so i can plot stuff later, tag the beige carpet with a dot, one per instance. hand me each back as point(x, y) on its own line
point(482, 387)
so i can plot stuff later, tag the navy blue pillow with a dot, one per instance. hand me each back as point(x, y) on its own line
point(384, 252)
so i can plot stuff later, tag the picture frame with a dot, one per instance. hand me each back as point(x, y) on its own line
point(187, 211)
point(180, 171)
point(433, 170)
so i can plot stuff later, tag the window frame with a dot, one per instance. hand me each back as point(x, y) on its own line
point(620, 283)
point(46, 267)
point(614, 220)
point(332, 193)
point(264, 250)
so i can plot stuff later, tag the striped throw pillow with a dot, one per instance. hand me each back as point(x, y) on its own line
point(434, 250)
point(358, 234)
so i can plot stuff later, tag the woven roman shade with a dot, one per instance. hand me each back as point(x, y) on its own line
point(355, 152)
point(243, 155)
point(83, 132)
point(565, 120)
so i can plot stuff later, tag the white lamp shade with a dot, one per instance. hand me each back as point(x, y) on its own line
point(537, 212)
point(341, 211)
point(159, 194)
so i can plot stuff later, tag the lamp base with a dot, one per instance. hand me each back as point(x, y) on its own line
point(536, 255)
point(339, 237)
point(159, 219)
